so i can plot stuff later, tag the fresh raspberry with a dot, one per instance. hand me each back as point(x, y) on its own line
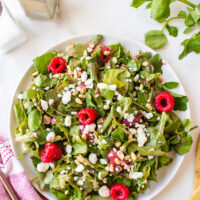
point(119, 192)
point(137, 118)
point(164, 102)
point(87, 116)
point(105, 54)
point(50, 152)
point(82, 85)
point(57, 65)
point(112, 155)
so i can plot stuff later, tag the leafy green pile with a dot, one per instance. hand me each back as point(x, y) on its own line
point(160, 11)
point(137, 80)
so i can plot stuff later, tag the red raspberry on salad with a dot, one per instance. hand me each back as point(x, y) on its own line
point(164, 102)
point(87, 116)
point(57, 65)
point(119, 192)
point(50, 152)
point(105, 54)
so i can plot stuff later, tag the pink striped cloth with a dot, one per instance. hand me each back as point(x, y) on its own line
point(15, 174)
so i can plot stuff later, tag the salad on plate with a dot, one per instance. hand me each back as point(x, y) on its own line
point(99, 122)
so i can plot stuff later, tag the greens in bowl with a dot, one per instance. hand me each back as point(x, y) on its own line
point(99, 122)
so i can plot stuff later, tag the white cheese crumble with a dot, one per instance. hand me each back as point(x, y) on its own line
point(129, 117)
point(89, 128)
point(68, 149)
point(42, 167)
point(103, 161)
point(74, 113)
point(51, 101)
point(93, 158)
point(75, 178)
point(136, 175)
point(148, 115)
point(114, 59)
point(89, 50)
point(51, 136)
point(104, 191)
point(80, 182)
point(44, 105)
point(66, 97)
point(106, 86)
point(119, 110)
point(133, 131)
point(68, 121)
point(141, 136)
point(84, 76)
point(80, 168)
point(136, 78)
point(89, 83)
point(119, 97)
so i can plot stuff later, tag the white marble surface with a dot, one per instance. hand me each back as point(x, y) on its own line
point(98, 16)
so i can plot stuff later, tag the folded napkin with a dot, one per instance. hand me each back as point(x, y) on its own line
point(15, 174)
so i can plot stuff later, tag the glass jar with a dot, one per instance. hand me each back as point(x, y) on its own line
point(11, 33)
point(39, 9)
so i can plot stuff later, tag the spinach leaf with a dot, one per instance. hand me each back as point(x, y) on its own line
point(171, 85)
point(34, 119)
point(76, 50)
point(148, 76)
point(191, 45)
point(155, 39)
point(20, 112)
point(138, 3)
point(41, 63)
point(180, 103)
point(160, 9)
point(108, 94)
point(163, 161)
point(173, 31)
point(96, 39)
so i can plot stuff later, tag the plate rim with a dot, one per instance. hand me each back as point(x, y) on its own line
point(120, 39)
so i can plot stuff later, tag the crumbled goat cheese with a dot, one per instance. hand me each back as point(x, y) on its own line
point(66, 97)
point(133, 131)
point(80, 168)
point(150, 157)
point(89, 83)
point(44, 105)
point(34, 134)
point(103, 161)
point(80, 182)
point(136, 78)
point(84, 76)
point(74, 113)
point(89, 50)
point(141, 136)
point(20, 96)
point(106, 86)
point(59, 95)
point(119, 110)
point(51, 101)
point(119, 97)
point(104, 191)
point(114, 59)
point(112, 87)
point(93, 158)
point(89, 128)
point(148, 115)
point(68, 121)
point(129, 117)
point(136, 175)
point(68, 149)
point(51, 136)
point(75, 178)
point(42, 167)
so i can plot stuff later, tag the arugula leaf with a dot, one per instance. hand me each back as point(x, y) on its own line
point(160, 9)
point(155, 39)
point(171, 85)
point(80, 148)
point(117, 77)
point(184, 145)
point(58, 194)
point(34, 119)
point(41, 63)
point(108, 94)
point(157, 63)
point(191, 45)
point(96, 39)
point(163, 161)
point(118, 134)
point(138, 3)
point(173, 31)
point(20, 112)
point(148, 76)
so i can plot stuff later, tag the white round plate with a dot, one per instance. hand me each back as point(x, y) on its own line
point(164, 175)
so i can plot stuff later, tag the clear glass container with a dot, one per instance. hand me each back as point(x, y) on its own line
point(39, 9)
point(11, 33)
